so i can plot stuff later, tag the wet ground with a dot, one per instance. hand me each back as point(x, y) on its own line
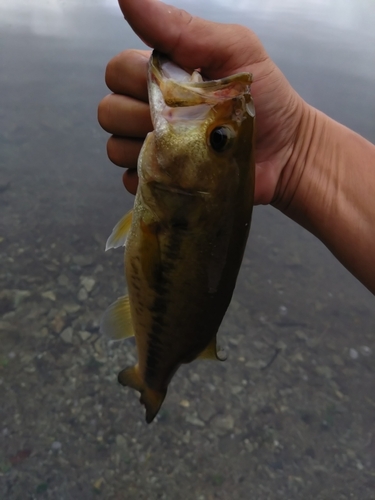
point(302, 427)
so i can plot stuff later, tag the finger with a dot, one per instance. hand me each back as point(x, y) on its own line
point(124, 152)
point(218, 49)
point(130, 180)
point(126, 74)
point(124, 116)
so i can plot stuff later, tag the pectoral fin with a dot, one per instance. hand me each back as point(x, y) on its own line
point(116, 322)
point(152, 400)
point(211, 352)
point(120, 232)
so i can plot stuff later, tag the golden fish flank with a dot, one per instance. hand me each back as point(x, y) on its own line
point(187, 233)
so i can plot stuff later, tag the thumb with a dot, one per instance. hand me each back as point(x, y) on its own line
point(217, 49)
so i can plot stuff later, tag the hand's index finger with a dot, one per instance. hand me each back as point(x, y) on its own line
point(126, 74)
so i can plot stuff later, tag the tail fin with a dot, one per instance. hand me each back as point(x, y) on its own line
point(150, 398)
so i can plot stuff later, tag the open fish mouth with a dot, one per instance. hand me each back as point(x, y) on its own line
point(181, 86)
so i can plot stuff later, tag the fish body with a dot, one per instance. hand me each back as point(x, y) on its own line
point(187, 233)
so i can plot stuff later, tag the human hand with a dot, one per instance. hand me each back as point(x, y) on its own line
point(218, 50)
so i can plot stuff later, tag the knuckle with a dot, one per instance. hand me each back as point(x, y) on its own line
point(104, 113)
point(116, 66)
point(112, 152)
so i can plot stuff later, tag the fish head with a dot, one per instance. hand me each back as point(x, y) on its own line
point(203, 130)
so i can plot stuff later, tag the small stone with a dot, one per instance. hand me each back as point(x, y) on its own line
point(83, 260)
point(82, 295)
point(351, 454)
point(121, 441)
point(72, 308)
point(298, 358)
point(184, 403)
point(283, 311)
point(193, 420)
point(337, 360)
point(56, 446)
point(67, 335)
point(99, 346)
point(11, 355)
point(58, 322)
point(365, 350)
point(63, 280)
point(236, 389)
point(98, 484)
point(41, 333)
point(29, 369)
point(194, 377)
point(88, 283)
point(20, 296)
point(301, 335)
point(255, 365)
point(186, 437)
point(224, 422)
point(249, 446)
point(49, 295)
point(206, 411)
point(280, 345)
point(324, 371)
point(51, 267)
point(259, 345)
point(353, 353)
point(84, 335)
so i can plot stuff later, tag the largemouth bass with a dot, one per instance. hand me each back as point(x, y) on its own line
point(185, 238)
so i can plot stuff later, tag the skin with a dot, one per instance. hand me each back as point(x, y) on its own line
point(316, 171)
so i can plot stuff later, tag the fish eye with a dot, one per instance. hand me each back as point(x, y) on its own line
point(220, 138)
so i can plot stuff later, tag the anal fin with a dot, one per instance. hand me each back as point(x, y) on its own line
point(117, 322)
point(151, 399)
point(211, 351)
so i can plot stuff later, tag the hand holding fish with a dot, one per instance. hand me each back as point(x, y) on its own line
point(218, 50)
point(316, 171)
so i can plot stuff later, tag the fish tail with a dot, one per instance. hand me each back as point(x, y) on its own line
point(151, 399)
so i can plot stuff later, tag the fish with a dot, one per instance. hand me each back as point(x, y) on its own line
point(186, 235)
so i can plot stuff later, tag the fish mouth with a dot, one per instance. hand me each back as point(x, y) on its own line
point(184, 87)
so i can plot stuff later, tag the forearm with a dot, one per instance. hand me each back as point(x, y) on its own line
point(334, 192)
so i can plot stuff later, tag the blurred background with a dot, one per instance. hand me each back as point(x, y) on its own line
point(302, 427)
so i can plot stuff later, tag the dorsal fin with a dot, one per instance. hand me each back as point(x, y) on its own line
point(120, 232)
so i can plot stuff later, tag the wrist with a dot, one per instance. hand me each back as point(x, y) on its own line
point(328, 188)
point(307, 184)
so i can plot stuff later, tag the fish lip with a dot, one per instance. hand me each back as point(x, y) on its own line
point(158, 59)
point(193, 93)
